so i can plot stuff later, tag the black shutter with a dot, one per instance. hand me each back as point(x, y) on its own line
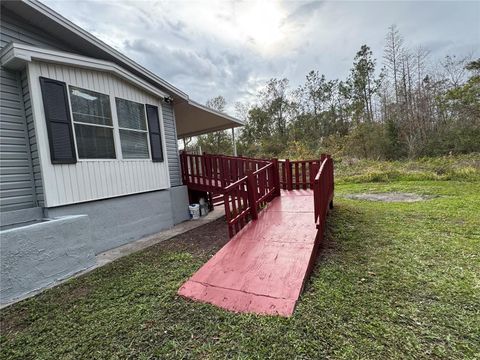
point(155, 134)
point(59, 124)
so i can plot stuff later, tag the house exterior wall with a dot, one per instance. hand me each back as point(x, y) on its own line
point(86, 202)
point(93, 179)
point(13, 28)
point(172, 145)
point(20, 175)
point(179, 199)
point(35, 256)
point(32, 140)
point(17, 188)
point(120, 220)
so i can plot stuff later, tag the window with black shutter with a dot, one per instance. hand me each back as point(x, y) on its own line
point(155, 134)
point(59, 124)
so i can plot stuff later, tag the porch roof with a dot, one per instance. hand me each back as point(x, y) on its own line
point(194, 119)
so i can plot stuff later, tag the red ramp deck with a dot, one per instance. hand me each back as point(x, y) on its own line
point(263, 268)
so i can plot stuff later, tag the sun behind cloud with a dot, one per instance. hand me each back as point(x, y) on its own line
point(261, 23)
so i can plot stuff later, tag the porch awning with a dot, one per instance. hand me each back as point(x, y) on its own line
point(195, 119)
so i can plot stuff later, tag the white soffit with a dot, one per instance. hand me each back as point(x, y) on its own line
point(194, 119)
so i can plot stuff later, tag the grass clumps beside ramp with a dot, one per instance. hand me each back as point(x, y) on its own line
point(459, 168)
point(395, 280)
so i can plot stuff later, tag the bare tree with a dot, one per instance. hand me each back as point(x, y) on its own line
point(393, 53)
point(217, 103)
point(454, 70)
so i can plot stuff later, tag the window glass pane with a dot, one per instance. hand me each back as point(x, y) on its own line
point(94, 142)
point(134, 144)
point(90, 106)
point(131, 115)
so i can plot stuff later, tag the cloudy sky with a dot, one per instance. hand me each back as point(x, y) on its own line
point(232, 48)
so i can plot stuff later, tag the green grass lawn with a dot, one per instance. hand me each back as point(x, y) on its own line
point(394, 281)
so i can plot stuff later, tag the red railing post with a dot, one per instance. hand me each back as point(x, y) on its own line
point(276, 177)
point(297, 181)
point(205, 157)
point(222, 172)
point(226, 204)
point(251, 191)
point(288, 173)
point(317, 200)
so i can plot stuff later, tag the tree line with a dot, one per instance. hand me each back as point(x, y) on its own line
point(403, 106)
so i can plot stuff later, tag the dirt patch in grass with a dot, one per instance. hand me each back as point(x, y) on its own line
point(74, 294)
point(206, 239)
point(389, 197)
point(15, 322)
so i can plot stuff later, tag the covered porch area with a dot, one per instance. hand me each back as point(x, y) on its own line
point(194, 119)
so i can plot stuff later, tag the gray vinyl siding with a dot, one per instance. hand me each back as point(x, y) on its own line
point(20, 175)
point(16, 177)
point(18, 30)
point(32, 141)
point(171, 145)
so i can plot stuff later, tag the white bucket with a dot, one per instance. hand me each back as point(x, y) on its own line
point(194, 211)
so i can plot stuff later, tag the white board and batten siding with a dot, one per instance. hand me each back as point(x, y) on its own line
point(94, 179)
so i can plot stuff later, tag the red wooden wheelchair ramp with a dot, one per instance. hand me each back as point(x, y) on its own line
point(263, 268)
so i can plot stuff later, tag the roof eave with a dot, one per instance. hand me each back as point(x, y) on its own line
point(15, 56)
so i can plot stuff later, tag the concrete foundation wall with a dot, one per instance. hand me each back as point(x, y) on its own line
point(120, 220)
point(14, 218)
point(35, 256)
point(179, 198)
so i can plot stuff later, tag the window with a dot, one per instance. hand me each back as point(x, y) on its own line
point(133, 129)
point(92, 119)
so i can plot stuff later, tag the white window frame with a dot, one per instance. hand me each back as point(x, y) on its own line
point(115, 127)
point(90, 124)
point(147, 131)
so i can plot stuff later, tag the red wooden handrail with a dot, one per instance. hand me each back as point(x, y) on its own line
point(235, 184)
point(247, 196)
point(212, 173)
point(323, 191)
point(248, 184)
point(297, 174)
